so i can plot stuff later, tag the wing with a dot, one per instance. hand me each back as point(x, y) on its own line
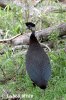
point(38, 64)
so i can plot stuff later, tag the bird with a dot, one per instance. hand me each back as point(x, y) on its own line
point(37, 61)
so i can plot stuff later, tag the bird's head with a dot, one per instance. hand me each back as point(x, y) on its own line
point(30, 26)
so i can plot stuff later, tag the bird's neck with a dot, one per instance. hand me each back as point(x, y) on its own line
point(33, 39)
point(33, 32)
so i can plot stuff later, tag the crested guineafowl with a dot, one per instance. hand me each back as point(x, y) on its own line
point(37, 62)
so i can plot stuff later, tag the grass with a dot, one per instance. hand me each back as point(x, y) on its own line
point(14, 65)
point(21, 83)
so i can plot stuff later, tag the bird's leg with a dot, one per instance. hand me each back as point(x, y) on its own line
point(34, 84)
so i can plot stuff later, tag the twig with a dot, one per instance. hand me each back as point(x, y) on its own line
point(45, 46)
point(9, 40)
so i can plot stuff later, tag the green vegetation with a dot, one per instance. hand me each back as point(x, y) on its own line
point(12, 65)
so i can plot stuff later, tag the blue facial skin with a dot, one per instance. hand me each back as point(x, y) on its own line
point(37, 61)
